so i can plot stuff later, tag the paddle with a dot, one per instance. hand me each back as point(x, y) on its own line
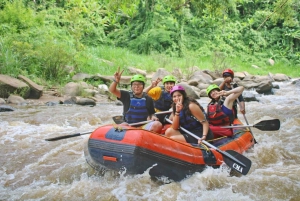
point(265, 125)
point(237, 100)
point(247, 122)
point(119, 118)
point(233, 159)
point(78, 134)
point(67, 136)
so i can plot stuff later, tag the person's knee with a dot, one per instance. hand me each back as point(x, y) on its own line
point(156, 127)
point(167, 132)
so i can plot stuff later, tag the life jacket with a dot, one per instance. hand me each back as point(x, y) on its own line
point(137, 111)
point(189, 122)
point(216, 116)
point(164, 102)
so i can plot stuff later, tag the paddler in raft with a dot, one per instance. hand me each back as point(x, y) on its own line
point(227, 85)
point(161, 94)
point(137, 105)
point(220, 111)
point(189, 114)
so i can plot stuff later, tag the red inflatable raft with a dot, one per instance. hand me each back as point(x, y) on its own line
point(119, 147)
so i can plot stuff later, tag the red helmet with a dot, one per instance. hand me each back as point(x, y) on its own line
point(177, 88)
point(228, 72)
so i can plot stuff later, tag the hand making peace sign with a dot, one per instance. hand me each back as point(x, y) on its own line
point(155, 83)
point(118, 75)
point(179, 104)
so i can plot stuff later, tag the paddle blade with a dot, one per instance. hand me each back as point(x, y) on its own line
point(268, 125)
point(236, 166)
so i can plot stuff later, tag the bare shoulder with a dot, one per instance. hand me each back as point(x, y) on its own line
point(193, 106)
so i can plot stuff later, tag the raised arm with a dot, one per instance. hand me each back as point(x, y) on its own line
point(227, 80)
point(113, 86)
point(231, 96)
point(153, 84)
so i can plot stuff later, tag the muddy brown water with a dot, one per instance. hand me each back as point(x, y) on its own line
point(34, 169)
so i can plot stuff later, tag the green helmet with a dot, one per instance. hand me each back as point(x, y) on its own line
point(212, 87)
point(139, 78)
point(169, 78)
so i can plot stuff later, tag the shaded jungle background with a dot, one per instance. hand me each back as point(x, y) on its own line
point(50, 41)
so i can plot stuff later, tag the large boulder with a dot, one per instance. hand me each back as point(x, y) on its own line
point(103, 89)
point(279, 77)
point(160, 73)
point(85, 101)
point(10, 85)
point(261, 84)
point(213, 74)
point(76, 88)
point(15, 99)
point(36, 91)
point(134, 71)
point(200, 77)
point(2, 101)
point(189, 90)
point(81, 76)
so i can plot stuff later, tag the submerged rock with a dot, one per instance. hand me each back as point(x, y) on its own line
point(6, 108)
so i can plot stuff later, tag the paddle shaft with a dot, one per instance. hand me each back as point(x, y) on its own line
point(163, 112)
point(78, 134)
point(247, 122)
point(264, 125)
point(139, 123)
point(238, 126)
point(119, 118)
point(67, 136)
point(232, 86)
point(210, 145)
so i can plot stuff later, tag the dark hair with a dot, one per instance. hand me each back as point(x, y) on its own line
point(186, 102)
point(227, 75)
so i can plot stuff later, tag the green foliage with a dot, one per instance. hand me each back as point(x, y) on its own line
point(15, 14)
point(85, 21)
point(39, 51)
point(154, 40)
point(55, 39)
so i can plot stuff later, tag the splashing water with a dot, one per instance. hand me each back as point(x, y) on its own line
point(35, 169)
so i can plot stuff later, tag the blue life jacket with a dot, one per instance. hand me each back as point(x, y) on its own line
point(164, 102)
point(189, 122)
point(137, 111)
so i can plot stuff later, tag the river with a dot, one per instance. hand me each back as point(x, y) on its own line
point(34, 169)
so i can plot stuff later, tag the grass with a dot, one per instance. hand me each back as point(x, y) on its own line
point(105, 60)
